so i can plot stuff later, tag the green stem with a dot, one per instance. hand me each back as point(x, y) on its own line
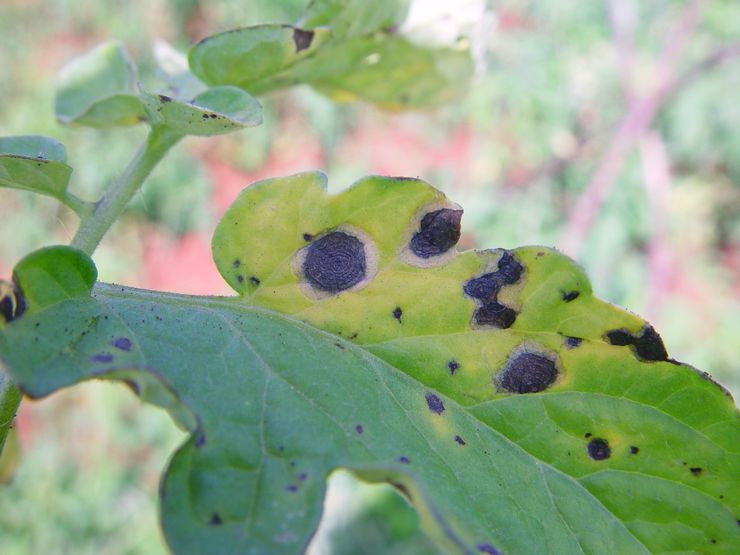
point(109, 208)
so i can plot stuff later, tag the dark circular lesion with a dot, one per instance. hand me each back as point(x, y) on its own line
point(439, 231)
point(527, 372)
point(647, 346)
point(335, 262)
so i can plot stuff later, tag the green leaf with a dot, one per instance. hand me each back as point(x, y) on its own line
point(54, 274)
point(98, 89)
point(215, 111)
point(354, 18)
point(10, 398)
point(389, 71)
point(615, 449)
point(251, 57)
point(173, 66)
point(34, 163)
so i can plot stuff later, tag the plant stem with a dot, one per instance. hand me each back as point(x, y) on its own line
point(109, 208)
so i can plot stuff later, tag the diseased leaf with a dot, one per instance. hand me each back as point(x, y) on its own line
point(517, 412)
point(98, 89)
point(251, 57)
point(173, 68)
point(355, 18)
point(10, 397)
point(34, 163)
point(215, 111)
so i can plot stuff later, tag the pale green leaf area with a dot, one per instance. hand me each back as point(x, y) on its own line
point(98, 89)
point(354, 18)
point(214, 111)
point(586, 446)
point(34, 163)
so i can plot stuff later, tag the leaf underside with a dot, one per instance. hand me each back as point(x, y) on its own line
point(557, 426)
point(34, 163)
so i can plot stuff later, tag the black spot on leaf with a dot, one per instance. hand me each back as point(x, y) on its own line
point(122, 343)
point(494, 314)
point(240, 278)
point(634, 449)
point(572, 342)
point(483, 287)
point(302, 39)
point(102, 357)
point(509, 268)
point(254, 280)
point(439, 232)
point(528, 373)
point(587, 435)
point(216, 520)
point(307, 237)
point(488, 549)
point(647, 346)
point(335, 262)
point(453, 365)
point(302, 477)
point(397, 313)
point(339, 345)
point(292, 488)
point(598, 449)
point(12, 301)
point(200, 441)
point(696, 470)
point(236, 263)
point(569, 296)
point(460, 440)
point(359, 429)
point(434, 403)
point(404, 460)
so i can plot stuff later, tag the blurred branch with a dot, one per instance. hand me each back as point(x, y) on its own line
point(716, 58)
point(640, 114)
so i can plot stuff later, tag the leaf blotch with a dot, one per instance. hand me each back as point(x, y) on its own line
point(102, 357)
point(488, 549)
point(434, 403)
point(647, 346)
point(569, 296)
point(122, 343)
point(485, 289)
point(359, 429)
point(494, 314)
point(307, 237)
point(254, 280)
point(528, 373)
point(335, 262)
point(696, 470)
point(460, 440)
point(302, 39)
point(12, 301)
point(598, 449)
point(438, 232)
point(216, 520)
point(404, 460)
point(634, 449)
point(236, 263)
point(397, 313)
point(572, 342)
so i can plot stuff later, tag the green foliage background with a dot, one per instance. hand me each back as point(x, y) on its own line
point(516, 154)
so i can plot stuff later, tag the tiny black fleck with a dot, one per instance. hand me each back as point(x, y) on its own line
point(713, 540)
point(397, 312)
point(302, 477)
point(404, 459)
point(494, 314)
point(696, 470)
point(216, 519)
point(307, 237)
point(459, 440)
point(353, 336)
point(587, 435)
point(434, 403)
point(102, 357)
point(236, 263)
point(123, 343)
point(200, 441)
point(572, 342)
point(488, 549)
point(165, 99)
point(598, 449)
point(569, 296)
point(359, 429)
point(240, 278)
point(528, 373)
point(338, 344)
point(634, 450)
point(302, 39)
point(292, 488)
point(438, 232)
point(204, 116)
point(254, 280)
point(335, 262)
point(453, 366)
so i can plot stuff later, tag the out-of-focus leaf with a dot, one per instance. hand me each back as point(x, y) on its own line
point(251, 57)
point(10, 397)
point(355, 18)
point(98, 89)
point(10, 455)
point(173, 65)
point(54, 274)
point(215, 111)
point(34, 163)
point(389, 71)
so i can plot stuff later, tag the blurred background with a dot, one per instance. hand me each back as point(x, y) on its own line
point(608, 129)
